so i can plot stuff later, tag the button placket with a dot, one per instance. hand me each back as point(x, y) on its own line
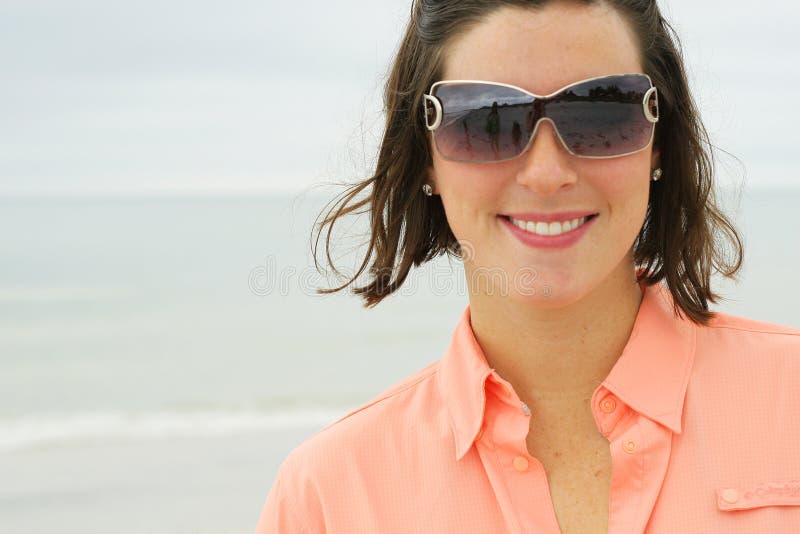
point(514, 472)
point(640, 453)
point(516, 476)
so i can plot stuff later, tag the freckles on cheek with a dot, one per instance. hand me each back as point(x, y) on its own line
point(616, 179)
point(473, 191)
point(622, 184)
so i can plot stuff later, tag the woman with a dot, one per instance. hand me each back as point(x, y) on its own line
point(587, 387)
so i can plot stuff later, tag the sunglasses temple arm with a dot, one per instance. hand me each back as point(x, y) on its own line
point(428, 101)
point(651, 94)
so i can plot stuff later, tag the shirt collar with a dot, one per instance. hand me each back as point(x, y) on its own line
point(651, 375)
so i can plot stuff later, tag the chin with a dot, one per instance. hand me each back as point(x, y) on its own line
point(549, 288)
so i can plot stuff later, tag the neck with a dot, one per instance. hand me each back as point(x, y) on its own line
point(557, 356)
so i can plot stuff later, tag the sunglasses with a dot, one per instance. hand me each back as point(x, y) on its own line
point(480, 122)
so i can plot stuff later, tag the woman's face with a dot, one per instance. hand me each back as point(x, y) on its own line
point(542, 51)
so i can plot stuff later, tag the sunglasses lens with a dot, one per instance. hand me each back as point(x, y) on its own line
point(482, 122)
point(603, 117)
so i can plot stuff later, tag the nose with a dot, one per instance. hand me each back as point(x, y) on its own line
point(546, 167)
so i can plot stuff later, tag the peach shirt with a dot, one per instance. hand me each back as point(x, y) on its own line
point(703, 425)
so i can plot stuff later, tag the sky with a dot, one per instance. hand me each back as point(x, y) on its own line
point(261, 96)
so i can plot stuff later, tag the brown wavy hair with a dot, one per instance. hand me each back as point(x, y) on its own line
point(684, 230)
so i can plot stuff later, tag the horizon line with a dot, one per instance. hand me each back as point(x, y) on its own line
point(312, 190)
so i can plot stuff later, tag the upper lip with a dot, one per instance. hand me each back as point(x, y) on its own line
point(550, 217)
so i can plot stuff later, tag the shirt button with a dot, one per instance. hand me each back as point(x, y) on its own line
point(629, 446)
point(730, 495)
point(520, 463)
point(609, 404)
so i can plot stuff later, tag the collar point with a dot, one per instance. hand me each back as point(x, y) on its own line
point(461, 450)
point(673, 422)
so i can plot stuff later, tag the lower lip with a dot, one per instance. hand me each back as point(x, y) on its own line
point(564, 240)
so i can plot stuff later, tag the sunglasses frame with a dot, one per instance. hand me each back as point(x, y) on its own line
point(431, 99)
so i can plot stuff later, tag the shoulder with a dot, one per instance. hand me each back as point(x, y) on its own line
point(372, 438)
point(384, 412)
point(745, 324)
point(340, 467)
point(732, 350)
point(751, 333)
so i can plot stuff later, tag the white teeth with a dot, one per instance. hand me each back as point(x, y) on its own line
point(553, 228)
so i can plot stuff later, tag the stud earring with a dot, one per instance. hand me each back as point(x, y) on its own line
point(427, 189)
point(656, 174)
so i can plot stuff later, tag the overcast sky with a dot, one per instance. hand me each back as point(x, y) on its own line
point(109, 96)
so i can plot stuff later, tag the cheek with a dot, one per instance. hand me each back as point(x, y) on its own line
point(470, 195)
point(621, 177)
point(468, 188)
point(625, 186)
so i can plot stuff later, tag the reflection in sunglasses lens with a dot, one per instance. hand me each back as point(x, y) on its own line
point(482, 122)
point(602, 117)
point(488, 122)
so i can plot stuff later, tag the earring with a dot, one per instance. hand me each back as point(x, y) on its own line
point(656, 174)
point(427, 189)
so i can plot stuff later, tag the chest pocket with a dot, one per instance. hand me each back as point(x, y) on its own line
point(771, 493)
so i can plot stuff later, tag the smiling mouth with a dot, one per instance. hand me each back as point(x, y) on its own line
point(549, 228)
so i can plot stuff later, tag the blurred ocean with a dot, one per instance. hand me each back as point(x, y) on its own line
point(161, 355)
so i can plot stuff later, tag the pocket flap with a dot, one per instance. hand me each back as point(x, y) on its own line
point(771, 493)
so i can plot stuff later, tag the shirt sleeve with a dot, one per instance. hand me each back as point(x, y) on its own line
point(280, 513)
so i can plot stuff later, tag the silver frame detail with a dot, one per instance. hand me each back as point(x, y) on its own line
point(439, 114)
